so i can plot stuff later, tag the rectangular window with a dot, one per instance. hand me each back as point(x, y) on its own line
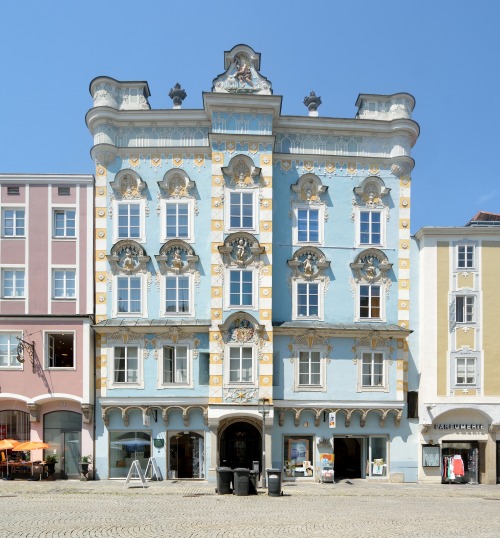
point(60, 350)
point(307, 299)
point(12, 283)
point(241, 288)
point(308, 225)
point(370, 228)
point(177, 294)
point(8, 350)
point(369, 301)
point(177, 224)
point(64, 223)
point(309, 368)
point(129, 294)
point(63, 284)
point(373, 369)
point(240, 365)
point(241, 210)
point(175, 365)
point(129, 221)
point(466, 371)
point(13, 191)
point(464, 312)
point(63, 191)
point(465, 257)
point(126, 364)
point(13, 223)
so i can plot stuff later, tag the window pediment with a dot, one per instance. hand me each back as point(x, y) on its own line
point(242, 172)
point(370, 266)
point(177, 257)
point(241, 328)
point(128, 257)
point(240, 249)
point(308, 263)
point(371, 191)
point(177, 184)
point(128, 185)
point(309, 188)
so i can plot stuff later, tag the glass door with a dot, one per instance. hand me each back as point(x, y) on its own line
point(70, 455)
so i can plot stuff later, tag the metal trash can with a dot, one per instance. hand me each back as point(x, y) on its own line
point(241, 481)
point(274, 482)
point(224, 478)
point(252, 484)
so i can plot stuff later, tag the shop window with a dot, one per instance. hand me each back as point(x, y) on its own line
point(14, 425)
point(8, 351)
point(124, 448)
point(13, 223)
point(60, 350)
point(298, 456)
point(377, 456)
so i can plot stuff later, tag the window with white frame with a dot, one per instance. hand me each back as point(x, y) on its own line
point(241, 210)
point(177, 294)
point(308, 225)
point(370, 227)
point(63, 283)
point(176, 370)
point(126, 365)
point(241, 364)
point(369, 301)
point(308, 299)
point(465, 370)
point(464, 309)
point(129, 291)
point(177, 220)
point(12, 283)
point(13, 223)
point(64, 223)
point(465, 256)
point(129, 220)
point(8, 350)
point(241, 283)
point(309, 368)
point(372, 369)
point(60, 350)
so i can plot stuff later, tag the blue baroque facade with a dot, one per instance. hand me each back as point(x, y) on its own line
point(253, 282)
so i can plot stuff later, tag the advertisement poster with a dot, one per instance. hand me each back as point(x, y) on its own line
point(326, 458)
point(332, 418)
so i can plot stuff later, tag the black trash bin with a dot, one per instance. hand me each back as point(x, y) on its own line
point(224, 478)
point(252, 484)
point(241, 481)
point(274, 482)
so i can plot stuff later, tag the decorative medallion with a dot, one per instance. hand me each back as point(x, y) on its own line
point(176, 257)
point(308, 263)
point(176, 184)
point(371, 191)
point(240, 249)
point(309, 188)
point(128, 185)
point(128, 257)
point(242, 172)
point(371, 266)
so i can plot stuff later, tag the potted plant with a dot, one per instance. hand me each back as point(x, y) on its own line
point(51, 460)
point(84, 466)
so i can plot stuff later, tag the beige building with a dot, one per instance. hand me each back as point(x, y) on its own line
point(458, 336)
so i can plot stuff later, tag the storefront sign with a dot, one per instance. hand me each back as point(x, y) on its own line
point(332, 418)
point(459, 427)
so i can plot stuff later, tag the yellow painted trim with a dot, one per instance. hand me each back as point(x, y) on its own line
point(216, 314)
point(403, 305)
point(404, 224)
point(268, 157)
point(490, 263)
point(404, 284)
point(218, 159)
point(101, 171)
point(443, 282)
point(465, 338)
point(404, 263)
point(216, 292)
point(100, 231)
point(404, 202)
point(460, 393)
point(465, 281)
point(263, 224)
point(404, 181)
point(217, 225)
point(400, 365)
point(262, 381)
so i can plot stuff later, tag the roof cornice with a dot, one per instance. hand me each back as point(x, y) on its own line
point(46, 178)
point(457, 231)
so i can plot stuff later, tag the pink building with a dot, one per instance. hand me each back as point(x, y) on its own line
point(46, 308)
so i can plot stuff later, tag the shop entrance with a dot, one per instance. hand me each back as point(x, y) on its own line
point(186, 455)
point(62, 431)
point(348, 457)
point(240, 445)
point(459, 463)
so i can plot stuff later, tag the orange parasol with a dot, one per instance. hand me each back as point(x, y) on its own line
point(30, 445)
point(7, 444)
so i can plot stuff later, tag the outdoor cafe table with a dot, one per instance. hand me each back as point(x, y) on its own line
point(25, 468)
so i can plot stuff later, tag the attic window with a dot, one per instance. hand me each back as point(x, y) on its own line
point(13, 191)
point(63, 191)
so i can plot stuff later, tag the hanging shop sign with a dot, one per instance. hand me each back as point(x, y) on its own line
point(332, 419)
point(458, 426)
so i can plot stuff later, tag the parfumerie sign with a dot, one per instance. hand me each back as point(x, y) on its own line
point(459, 426)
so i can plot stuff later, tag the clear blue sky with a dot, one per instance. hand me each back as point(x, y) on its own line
point(445, 53)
